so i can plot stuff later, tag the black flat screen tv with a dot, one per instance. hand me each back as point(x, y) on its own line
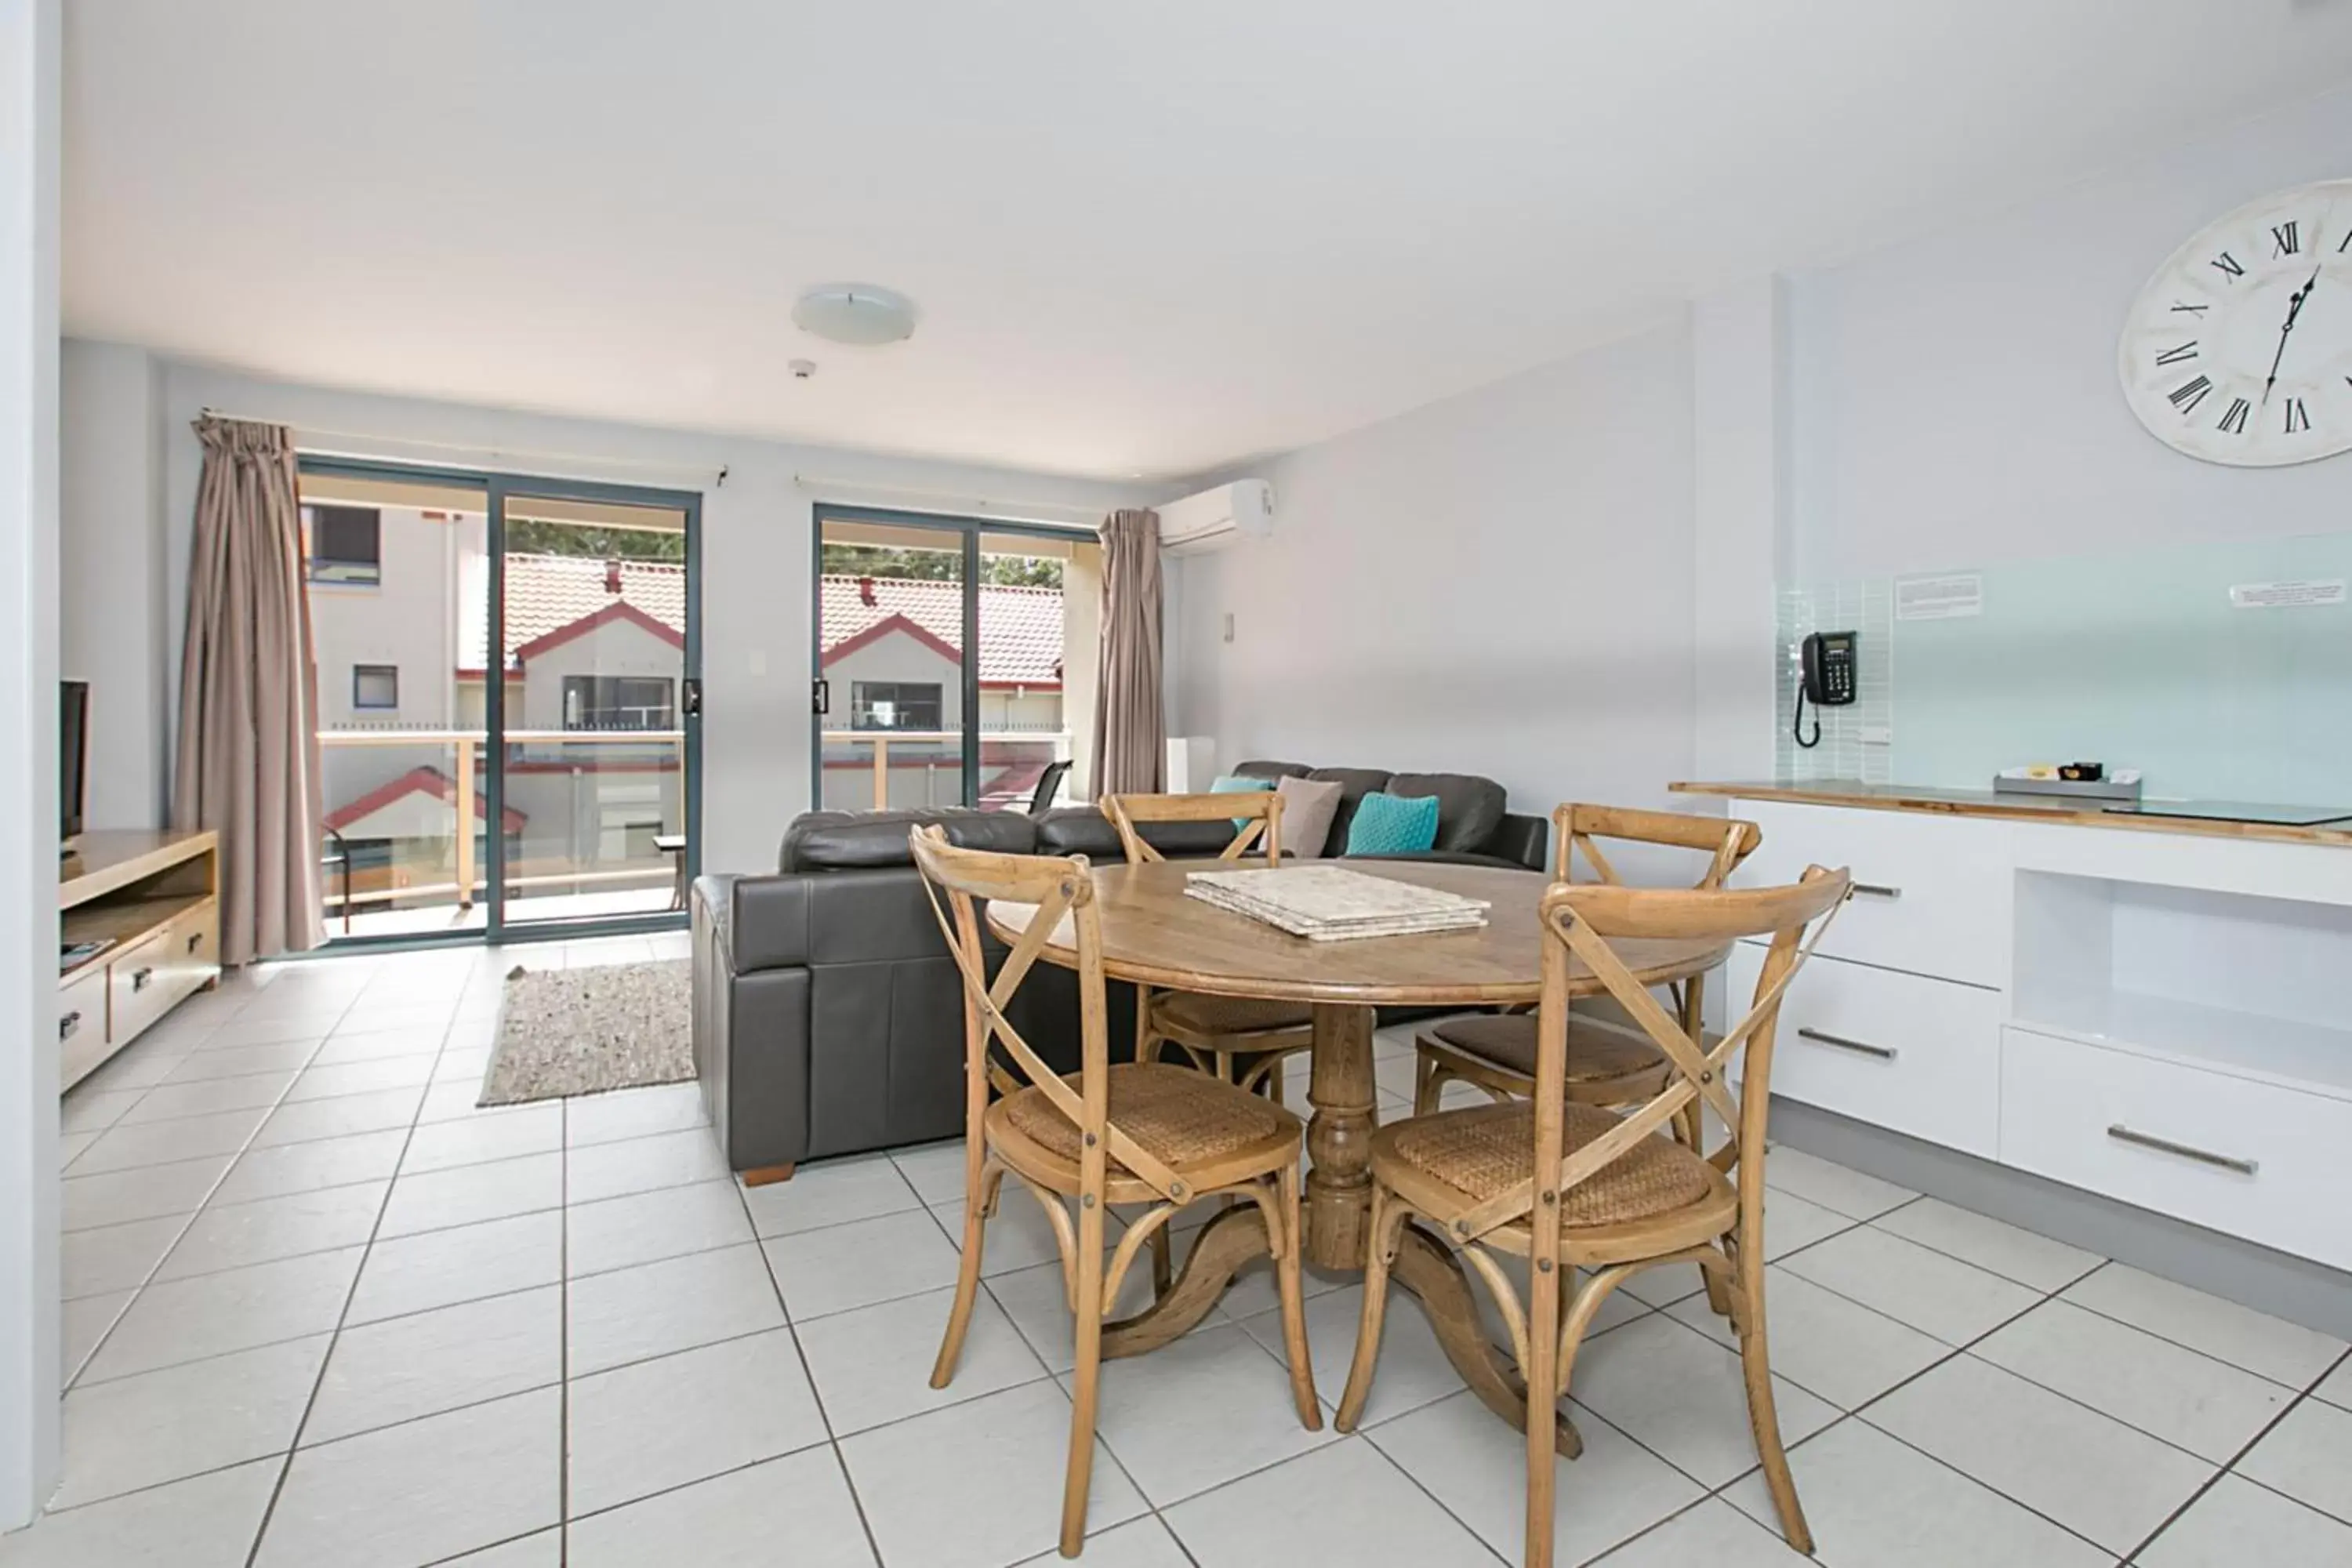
point(73, 753)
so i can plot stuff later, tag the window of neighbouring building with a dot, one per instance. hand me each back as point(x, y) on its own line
point(346, 544)
point(375, 686)
point(894, 705)
point(619, 702)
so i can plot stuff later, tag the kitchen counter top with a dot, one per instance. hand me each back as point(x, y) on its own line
point(2012, 807)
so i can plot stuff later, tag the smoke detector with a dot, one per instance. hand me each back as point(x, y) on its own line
point(861, 314)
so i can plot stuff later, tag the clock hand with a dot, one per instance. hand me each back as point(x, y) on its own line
point(2293, 309)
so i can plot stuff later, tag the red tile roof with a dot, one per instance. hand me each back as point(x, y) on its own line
point(421, 780)
point(553, 597)
point(1020, 629)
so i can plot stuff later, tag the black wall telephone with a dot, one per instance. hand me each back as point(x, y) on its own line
point(1828, 679)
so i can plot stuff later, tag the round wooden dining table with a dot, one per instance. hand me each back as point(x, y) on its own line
point(1154, 934)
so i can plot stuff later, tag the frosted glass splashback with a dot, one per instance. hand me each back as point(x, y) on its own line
point(2139, 661)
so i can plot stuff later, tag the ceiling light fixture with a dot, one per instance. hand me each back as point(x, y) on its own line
point(862, 314)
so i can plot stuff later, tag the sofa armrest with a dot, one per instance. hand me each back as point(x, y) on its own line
point(761, 922)
point(1524, 840)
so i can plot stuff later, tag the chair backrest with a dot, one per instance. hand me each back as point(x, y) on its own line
point(1725, 841)
point(996, 1054)
point(1259, 811)
point(1585, 923)
point(1049, 784)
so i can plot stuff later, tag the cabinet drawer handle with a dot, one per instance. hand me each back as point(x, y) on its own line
point(70, 1025)
point(2122, 1134)
point(1861, 1047)
point(1876, 891)
point(195, 940)
point(141, 976)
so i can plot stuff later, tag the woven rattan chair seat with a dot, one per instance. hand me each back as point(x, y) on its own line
point(1490, 1149)
point(1181, 1117)
point(1230, 1015)
point(1596, 1052)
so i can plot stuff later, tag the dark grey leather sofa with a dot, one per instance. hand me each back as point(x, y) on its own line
point(827, 1017)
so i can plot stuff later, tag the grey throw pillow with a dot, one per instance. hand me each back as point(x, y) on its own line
point(1307, 808)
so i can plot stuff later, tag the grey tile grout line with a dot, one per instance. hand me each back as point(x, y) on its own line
point(326, 1360)
point(2310, 1393)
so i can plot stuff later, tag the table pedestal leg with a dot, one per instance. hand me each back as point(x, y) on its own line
point(1225, 1245)
point(1428, 1268)
point(1339, 1137)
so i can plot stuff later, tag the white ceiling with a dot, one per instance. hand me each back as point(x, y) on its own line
point(1145, 239)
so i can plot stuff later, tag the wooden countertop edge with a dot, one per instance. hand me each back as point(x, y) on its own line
point(2060, 816)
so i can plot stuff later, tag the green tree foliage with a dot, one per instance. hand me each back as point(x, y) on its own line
point(530, 536)
point(939, 565)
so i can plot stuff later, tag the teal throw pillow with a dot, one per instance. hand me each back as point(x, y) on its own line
point(1393, 825)
point(1234, 783)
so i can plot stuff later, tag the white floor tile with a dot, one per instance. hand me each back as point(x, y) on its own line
point(2238, 1524)
point(150, 1192)
point(1035, 1300)
point(631, 1314)
point(1953, 1300)
point(1831, 1186)
point(372, 1017)
point(846, 1266)
point(2192, 1401)
point(1413, 1369)
point(85, 1110)
point(340, 1116)
point(1020, 1236)
point(443, 1267)
point(288, 1168)
point(1874, 1504)
point(1682, 1395)
point(72, 1146)
point(1346, 1504)
point(467, 1194)
point(979, 1485)
point(543, 1549)
point(142, 1065)
point(206, 1521)
point(1139, 1543)
point(2093, 1475)
point(1199, 1413)
point(186, 1319)
point(239, 1061)
point(1714, 1533)
point(462, 1064)
point(162, 1426)
point(2337, 1387)
point(116, 1256)
point(735, 1522)
point(661, 1423)
point(124, 1146)
point(361, 1078)
point(874, 1365)
point(935, 1170)
point(237, 1236)
point(1824, 1343)
point(645, 1228)
point(2012, 1253)
point(2280, 1351)
point(833, 1193)
point(377, 1045)
point(452, 1102)
point(85, 1322)
point(173, 1100)
point(477, 1140)
point(426, 1490)
point(632, 1113)
point(381, 1374)
point(642, 1164)
point(2308, 1456)
point(1474, 1464)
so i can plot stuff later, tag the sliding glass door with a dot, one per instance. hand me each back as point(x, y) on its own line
point(953, 661)
point(508, 714)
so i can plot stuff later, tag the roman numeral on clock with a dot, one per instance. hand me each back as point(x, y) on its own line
point(2296, 418)
point(2287, 237)
point(2190, 394)
point(2234, 421)
point(2174, 356)
point(2228, 265)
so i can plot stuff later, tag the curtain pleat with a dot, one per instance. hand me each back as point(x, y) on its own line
point(1130, 726)
point(247, 761)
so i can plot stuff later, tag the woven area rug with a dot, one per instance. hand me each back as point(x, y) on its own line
point(583, 1031)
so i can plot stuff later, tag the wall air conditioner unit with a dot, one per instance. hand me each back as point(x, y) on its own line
point(1215, 517)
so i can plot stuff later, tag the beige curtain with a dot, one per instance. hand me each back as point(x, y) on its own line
point(1130, 729)
point(248, 743)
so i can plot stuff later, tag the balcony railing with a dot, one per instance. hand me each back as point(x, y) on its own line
point(936, 758)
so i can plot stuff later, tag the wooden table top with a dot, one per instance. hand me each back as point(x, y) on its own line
point(1154, 934)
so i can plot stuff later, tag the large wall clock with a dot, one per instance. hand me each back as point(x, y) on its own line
point(2240, 348)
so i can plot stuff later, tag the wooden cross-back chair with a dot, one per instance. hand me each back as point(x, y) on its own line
point(1240, 1039)
point(1571, 1186)
point(1142, 1133)
point(1609, 1062)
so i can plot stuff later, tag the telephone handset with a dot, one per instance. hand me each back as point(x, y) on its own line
point(1827, 678)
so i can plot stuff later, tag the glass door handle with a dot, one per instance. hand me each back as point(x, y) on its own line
point(690, 698)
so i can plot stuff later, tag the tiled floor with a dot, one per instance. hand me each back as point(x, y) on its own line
point(322, 1312)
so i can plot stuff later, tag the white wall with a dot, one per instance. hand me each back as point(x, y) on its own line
point(110, 490)
point(28, 743)
point(1500, 583)
point(756, 548)
point(1954, 397)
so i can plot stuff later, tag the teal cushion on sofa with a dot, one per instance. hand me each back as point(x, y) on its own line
point(1393, 825)
point(1235, 783)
